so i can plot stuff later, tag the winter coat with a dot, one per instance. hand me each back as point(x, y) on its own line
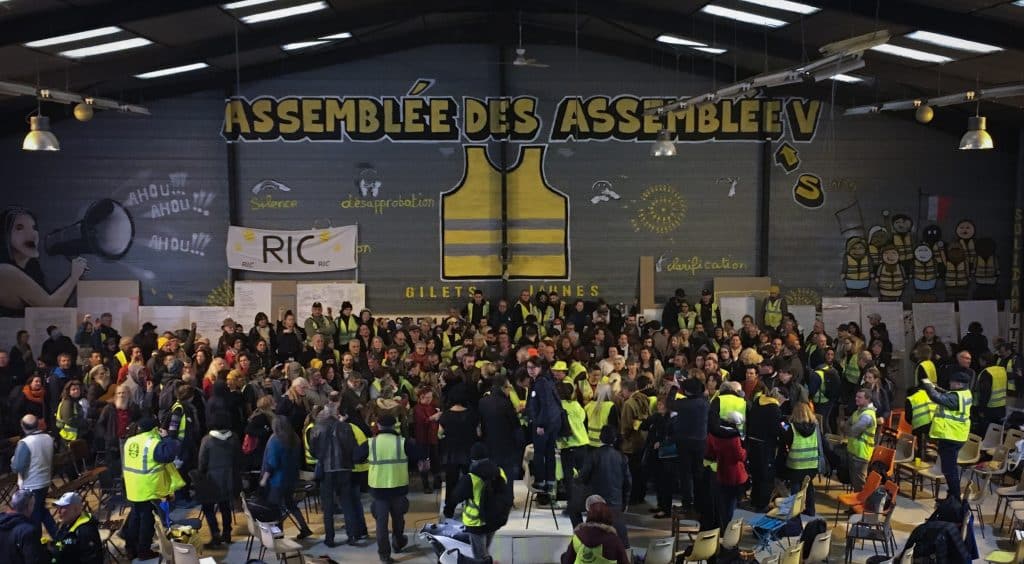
point(764, 422)
point(500, 424)
point(459, 435)
point(730, 455)
point(606, 471)
point(543, 407)
point(20, 540)
point(598, 534)
point(484, 469)
point(219, 456)
point(691, 418)
point(635, 411)
point(332, 445)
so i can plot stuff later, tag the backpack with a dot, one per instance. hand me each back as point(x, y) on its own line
point(496, 503)
point(832, 385)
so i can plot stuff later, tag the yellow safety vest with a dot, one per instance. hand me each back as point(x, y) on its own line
point(69, 433)
point(360, 439)
point(891, 280)
point(699, 307)
point(389, 468)
point(537, 220)
point(143, 475)
point(929, 369)
point(956, 274)
point(985, 270)
point(998, 397)
point(773, 312)
point(471, 510)
point(307, 432)
point(597, 418)
point(852, 370)
point(183, 421)
point(575, 369)
point(857, 269)
point(1011, 382)
point(122, 358)
point(589, 554)
point(653, 402)
point(803, 455)
point(728, 403)
point(577, 424)
point(448, 343)
point(953, 424)
point(904, 244)
point(820, 397)
point(687, 320)
point(922, 409)
point(347, 331)
point(863, 445)
point(485, 309)
point(925, 271)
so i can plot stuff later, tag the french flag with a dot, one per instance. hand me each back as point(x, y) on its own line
point(937, 207)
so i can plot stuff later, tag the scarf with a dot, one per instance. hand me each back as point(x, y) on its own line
point(37, 397)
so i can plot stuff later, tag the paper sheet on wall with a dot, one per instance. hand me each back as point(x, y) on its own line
point(120, 298)
point(805, 316)
point(37, 319)
point(836, 311)
point(735, 308)
point(985, 312)
point(941, 316)
point(250, 299)
point(9, 327)
point(892, 315)
point(166, 318)
point(330, 294)
point(208, 320)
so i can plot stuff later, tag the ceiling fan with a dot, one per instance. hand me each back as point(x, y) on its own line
point(520, 59)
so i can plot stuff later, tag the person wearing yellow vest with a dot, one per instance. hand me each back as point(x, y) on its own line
point(333, 445)
point(71, 423)
point(802, 438)
point(145, 458)
point(774, 309)
point(78, 539)
point(1012, 363)
point(925, 365)
point(919, 410)
point(572, 448)
point(860, 436)
point(707, 310)
point(730, 398)
point(600, 411)
point(348, 324)
point(596, 541)
point(478, 309)
point(470, 490)
point(989, 394)
point(388, 455)
point(952, 424)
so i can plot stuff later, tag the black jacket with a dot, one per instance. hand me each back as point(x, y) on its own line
point(486, 470)
point(220, 466)
point(606, 471)
point(543, 406)
point(20, 540)
point(80, 547)
point(500, 425)
point(691, 420)
point(333, 444)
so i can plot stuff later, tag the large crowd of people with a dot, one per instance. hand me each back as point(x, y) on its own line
point(705, 413)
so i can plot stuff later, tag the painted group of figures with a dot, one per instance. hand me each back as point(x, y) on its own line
point(892, 260)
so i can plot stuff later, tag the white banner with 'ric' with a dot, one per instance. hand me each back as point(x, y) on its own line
point(316, 250)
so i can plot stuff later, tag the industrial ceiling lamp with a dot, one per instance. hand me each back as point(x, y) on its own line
point(39, 137)
point(976, 136)
point(663, 146)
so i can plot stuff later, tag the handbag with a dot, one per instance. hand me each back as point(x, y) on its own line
point(668, 450)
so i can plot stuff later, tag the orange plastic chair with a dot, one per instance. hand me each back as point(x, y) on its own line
point(886, 456)
point(855, 500)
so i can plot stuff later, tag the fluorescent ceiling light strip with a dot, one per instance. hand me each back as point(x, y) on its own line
point(172, 70)
point(1019, 3)
point(710, 50)
point(846, 78)
point(342, 35)
point(676, 40)
point(72, 37)
point(302, 45)
point(950, 42)
point(786, 6)
point(909, 53)
point(103, 48)
point(285, 12)
point(244, 4)
point(741, 16)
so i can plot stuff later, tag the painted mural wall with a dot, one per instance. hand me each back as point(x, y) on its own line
point(408, 147)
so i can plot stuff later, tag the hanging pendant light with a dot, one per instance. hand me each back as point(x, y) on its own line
point(976, 136)
point(39, 137)
point(663, 146)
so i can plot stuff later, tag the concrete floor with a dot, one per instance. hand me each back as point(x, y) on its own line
point(542, 542)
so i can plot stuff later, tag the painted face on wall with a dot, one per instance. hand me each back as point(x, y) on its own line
point(24, 238)
point(955, 254)
point(923, 253)
point(902, 224)
point(856, 247)
point(965, 229)
point(890, 255)
point(932, 234)
point(879, 236)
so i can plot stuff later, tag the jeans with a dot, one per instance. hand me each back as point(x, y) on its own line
point(729, 496)
point(639, 478)
point(141, 524)
point(572, 460)
point(762, 472)
point(796, 478)
point(340, 485)
point(40, 515)
point(922, 439)
point(544, 456)
point(481, 543)
point(394, 507)
point(948, 452)
point(452, 473)
point(691, 468)
point(284, 497)
point(210, 511)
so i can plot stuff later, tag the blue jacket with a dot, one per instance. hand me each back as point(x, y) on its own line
point(543, 407)
point(282, 463)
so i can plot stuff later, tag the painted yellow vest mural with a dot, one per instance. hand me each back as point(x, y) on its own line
point(537, 214)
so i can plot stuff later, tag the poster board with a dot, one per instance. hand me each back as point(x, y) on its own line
point(892, 315)
point(250, 299)
point(736, 286)
point(805, 316)
point(330, 294)
point(985, 312)
point(166, 318)
point(735, 308)
point(941, 316)
point(208, 320)
point(118, 297)
point(37, 319)
point(836, 311)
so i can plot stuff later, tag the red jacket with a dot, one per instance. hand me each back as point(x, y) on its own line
point(730, 455)
point(424, 430)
